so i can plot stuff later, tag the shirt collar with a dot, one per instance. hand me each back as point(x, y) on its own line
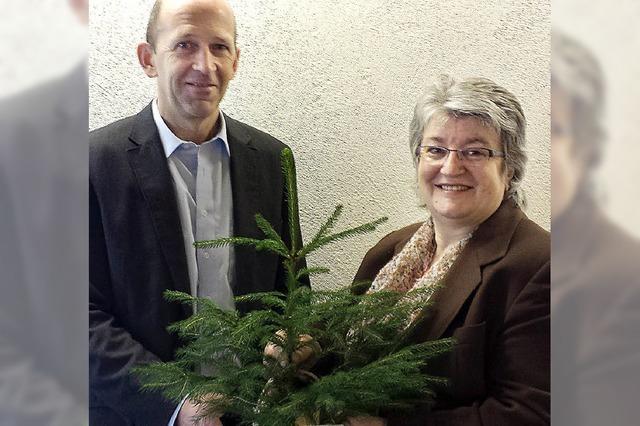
point(170, 142)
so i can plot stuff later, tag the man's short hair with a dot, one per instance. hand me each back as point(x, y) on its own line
point(152, 25)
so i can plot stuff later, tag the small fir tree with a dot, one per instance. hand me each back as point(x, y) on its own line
point(364, 362)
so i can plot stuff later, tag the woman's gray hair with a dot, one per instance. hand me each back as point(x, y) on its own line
point(576, 73)
point(483, 99)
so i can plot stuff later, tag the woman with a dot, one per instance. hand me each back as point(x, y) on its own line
point(490, 261)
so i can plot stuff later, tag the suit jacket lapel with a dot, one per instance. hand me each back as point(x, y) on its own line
point(246, 197)
point(489, 243)
point(149, 164)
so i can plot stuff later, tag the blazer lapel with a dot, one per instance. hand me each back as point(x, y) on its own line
point(246, 198)
point(489, 243)
point(149, 164)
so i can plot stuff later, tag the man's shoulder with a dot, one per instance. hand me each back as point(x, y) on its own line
point(264, 140)
point(114, 139)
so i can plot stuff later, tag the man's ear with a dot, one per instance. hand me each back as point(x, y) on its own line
point(146, 59)
point(235, 62)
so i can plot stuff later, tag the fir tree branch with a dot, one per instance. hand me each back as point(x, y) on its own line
point(264, 244)
point(207, 315)
point(315, 242)
point(270, 233)
point(274, 299)
point(358, 230)
point(172, 378)
point(289, 172)
point(315, 270)
point(178, 296)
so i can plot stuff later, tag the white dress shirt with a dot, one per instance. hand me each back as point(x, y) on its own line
point(202, 182)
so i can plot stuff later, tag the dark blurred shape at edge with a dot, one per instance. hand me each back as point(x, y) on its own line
point(43, 253)
point(595, 295)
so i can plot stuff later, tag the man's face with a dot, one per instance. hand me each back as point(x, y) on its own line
point(194, 59)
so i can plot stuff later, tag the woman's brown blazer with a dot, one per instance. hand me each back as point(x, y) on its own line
point(495, 302)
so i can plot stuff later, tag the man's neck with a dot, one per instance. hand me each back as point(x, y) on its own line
point(197, 131)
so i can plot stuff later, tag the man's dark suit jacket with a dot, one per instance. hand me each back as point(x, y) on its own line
point(495, 302)
point(137, 252)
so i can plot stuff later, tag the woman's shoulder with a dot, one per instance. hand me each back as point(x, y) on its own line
point(396, 240)
point(526, 252)
point(511, 243)
point(533, 237)
point(383, 251)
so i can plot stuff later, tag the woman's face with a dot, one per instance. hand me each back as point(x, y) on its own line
point(460, 192)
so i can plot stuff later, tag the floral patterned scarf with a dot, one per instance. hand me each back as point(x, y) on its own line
point(413, 268)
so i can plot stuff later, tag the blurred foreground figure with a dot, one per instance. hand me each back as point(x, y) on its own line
point(595, 291)
point(43, 254)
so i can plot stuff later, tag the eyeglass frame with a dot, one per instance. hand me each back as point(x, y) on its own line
point(493, 153)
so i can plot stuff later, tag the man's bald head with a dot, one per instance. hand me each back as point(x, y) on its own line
point(152, 25)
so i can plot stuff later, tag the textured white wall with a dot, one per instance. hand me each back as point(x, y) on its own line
point(337, 81)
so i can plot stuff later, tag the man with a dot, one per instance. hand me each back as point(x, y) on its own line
point(177, 172)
